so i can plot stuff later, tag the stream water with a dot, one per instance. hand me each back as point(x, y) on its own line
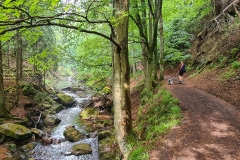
point(60, 151)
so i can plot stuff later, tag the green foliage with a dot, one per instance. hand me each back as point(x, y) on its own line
point(28, 90)
point(139, 154)
point(45, 60)
point(234, 52)
point(177, 42)
point(41, 97)
point(236, 65)
point(229, 74)
point(162, 114)
point(93, 58)
point(137, 148)
point(181, 19)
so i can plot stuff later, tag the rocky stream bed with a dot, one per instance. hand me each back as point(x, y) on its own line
point(69, 127)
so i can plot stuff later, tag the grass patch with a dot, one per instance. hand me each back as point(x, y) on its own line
point(160, 113)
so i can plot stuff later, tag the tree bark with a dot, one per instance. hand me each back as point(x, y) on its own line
point(121, 77)
point(149, 41)
point(161, 57)
point(18, 52)
point(3, 110)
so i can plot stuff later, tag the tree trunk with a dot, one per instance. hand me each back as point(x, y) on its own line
point(3, 110)
point(8, 55)
point(149, 69)
point(121, 73)
point(20, 57)
point(161, 57)
point(18, 52)
point(149, 38)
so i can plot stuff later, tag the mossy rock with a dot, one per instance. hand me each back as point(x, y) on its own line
point(65, 99)
point(16, 131)
point(55, 109)
point(88, 113)
point(15, 120)
point(28, 147)
point(51, 120)
point(81, 149)
point(106, 90)
point(72, 134)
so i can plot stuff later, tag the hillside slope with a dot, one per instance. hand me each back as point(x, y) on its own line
point(216, 64)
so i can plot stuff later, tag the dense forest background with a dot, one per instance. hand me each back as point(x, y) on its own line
point(105, 43)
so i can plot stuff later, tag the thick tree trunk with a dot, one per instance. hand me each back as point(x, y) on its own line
point(121, 73)
point(3, 110)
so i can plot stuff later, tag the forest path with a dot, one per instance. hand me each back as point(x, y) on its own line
point(210, 129)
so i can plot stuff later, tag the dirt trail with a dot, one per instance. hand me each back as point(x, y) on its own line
point(210, 129)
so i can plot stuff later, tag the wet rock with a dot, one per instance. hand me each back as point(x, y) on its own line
point(88, 113)
point(72, 134)
point(37, 132)
point(55, 108)
point(65, 99)
point(16, 131)
point(81, 149)
point(28, 147)
point(51, 120)
point(47, 140)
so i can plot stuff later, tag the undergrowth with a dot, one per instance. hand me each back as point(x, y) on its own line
point(155, 118)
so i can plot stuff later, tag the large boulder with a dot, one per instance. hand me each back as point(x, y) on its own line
point(65, 99)
point(88, 113)
point(72, 134)
point(16, 131)
point(51, 120)
point(81, 149)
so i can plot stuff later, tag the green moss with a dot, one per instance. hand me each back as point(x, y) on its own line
point(88, 113)
point(65, 99)
point(16, 131)
point(106, 90)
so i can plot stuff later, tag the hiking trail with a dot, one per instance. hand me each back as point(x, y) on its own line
point(210, 128)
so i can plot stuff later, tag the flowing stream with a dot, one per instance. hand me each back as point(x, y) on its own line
point(61, 151)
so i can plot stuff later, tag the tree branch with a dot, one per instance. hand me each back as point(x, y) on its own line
point(49, 23)
point(150, 8)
